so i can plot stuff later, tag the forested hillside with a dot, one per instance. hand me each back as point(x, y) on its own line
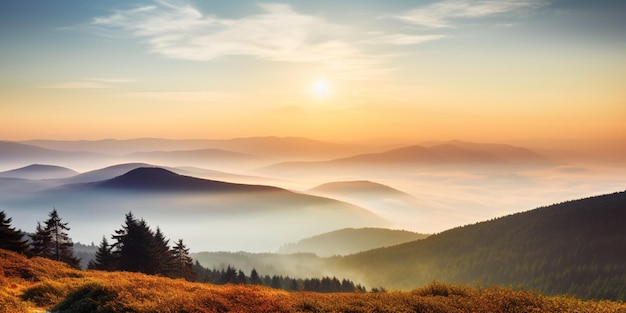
point(350, 240)
point(38, 285)
point(576, 247)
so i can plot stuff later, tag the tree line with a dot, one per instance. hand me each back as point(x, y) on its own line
point(231, 275)
point(137, 248)
point(50, 239)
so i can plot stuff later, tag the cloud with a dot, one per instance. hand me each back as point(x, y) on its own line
point(186, 96)
point(91, 83)
point(277, 33)
point(444, 14)
point(402, 39)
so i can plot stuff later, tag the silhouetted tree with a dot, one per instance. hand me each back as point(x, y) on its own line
point(163, 259)
point(241, 278)
point(255, 279)
point(182, 260)
point(229, 276)
point(53, 242)
point(10, 238)
point(104, 259)
point(133, 246)
point(40, 242)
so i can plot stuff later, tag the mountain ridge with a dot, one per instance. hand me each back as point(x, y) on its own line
point(574, 247)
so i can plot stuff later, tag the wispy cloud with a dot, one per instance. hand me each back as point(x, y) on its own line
point(186, 96)
point(90, 83)
point(445, 14)
point(402, 39)
point(276, 33)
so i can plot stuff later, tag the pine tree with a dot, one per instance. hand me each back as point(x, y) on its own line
point(241, 278)
point(229, 276)
point(133, 246)
point(104, 259)
point(53, 242)
point(40, 242)
point(164, 262)
point(10, 238)
point(255, 279)
point(184, 263)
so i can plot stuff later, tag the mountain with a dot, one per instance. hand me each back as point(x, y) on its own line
point(104, 173)
point(211, 215)
point(448, 155)
point(190, 157)
point(39, 171)
point(350, 240)
point(359, 188)
point(18, 154)
point(155, 179)
point(297, 148)
point(403, 209)
point(576, 247)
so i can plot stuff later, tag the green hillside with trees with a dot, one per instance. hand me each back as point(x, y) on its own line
point(576, 247)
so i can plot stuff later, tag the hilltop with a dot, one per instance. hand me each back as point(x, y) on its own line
point(575, 247)
point(28, 285)
point(39, 171)
point(350, 240)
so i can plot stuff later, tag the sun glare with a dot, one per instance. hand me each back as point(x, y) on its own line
point(321, 88)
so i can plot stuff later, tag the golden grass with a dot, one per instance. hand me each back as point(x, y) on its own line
point(29, 284)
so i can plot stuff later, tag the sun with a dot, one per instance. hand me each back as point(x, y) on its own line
point(321, 88)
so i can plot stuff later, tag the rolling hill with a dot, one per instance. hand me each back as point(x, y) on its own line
point(155, 179)
point(446, 155)
point(360, 188)
point(213, 215)
point(38, 285)
point(190, 157)
point(297, 148)
point(350, 240)
point(405, 210)
point(576, 247)
point(39, 171)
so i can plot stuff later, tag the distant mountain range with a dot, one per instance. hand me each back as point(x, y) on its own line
point(187, 203)
point(39, 171)
point(18, 154)
point(360, 188)
point(297, 148)
point(448, 155)
point(350, 240)
point(405, 210)
point(155, 179)
point(576, 247)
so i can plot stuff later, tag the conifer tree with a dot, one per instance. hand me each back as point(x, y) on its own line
point(255, 279)
point(104, 259)
point(184, 263)
point(52, 241)
point(133, 246)
point(40, 242)
point(10, 238)
point(164, 262)
point(241, 278)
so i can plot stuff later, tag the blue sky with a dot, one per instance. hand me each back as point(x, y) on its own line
point(462, 67)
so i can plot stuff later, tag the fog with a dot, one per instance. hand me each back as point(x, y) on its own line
point(430, 198)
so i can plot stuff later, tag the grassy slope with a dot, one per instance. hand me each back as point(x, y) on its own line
point(30, 284)
point(576, 247)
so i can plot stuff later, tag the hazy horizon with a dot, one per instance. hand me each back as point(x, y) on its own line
point(341, 84)
point(474, 70)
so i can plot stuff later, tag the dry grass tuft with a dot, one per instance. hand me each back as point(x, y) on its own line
point(30, 284)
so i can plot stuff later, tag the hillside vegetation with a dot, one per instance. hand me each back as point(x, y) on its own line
point(350, 240)
point(576, 247)
point(33, 284)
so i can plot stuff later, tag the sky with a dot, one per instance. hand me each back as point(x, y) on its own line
point(481, 70)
